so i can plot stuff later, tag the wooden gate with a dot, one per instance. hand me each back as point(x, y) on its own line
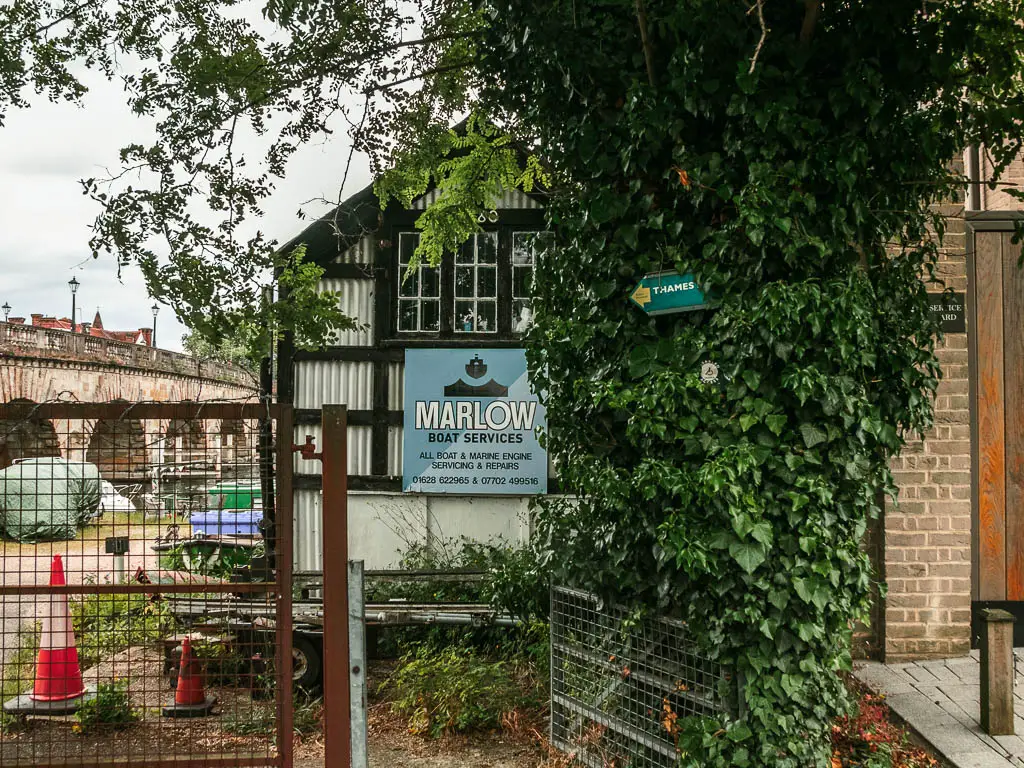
point(998, 424)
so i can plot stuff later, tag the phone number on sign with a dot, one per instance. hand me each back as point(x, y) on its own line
point(432, 480)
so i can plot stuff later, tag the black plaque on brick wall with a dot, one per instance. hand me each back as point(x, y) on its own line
point(950, 311)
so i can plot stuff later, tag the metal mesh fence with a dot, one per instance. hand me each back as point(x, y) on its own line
point(142, 621)
point(621, 687)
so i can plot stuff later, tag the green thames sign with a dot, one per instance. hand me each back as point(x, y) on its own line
point(662, 293)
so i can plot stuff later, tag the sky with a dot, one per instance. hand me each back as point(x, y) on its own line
point(45, 218)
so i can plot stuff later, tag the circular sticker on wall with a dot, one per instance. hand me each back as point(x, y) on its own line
point(709, 372)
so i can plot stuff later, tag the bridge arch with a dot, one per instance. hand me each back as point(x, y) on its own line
point(118, 447)
point(28, 437)
point(184, 441)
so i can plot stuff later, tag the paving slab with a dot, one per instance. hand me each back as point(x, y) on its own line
point(941, 701)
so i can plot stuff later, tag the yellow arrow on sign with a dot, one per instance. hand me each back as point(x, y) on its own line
point(642, 295)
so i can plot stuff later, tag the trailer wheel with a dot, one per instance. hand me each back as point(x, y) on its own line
point(306, 663)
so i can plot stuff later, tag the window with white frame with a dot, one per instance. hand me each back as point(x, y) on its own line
point(526, 247)
point(419, 292)
point(485, 287)
point(476, 285)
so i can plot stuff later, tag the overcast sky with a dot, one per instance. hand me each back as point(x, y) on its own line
point(45, 218)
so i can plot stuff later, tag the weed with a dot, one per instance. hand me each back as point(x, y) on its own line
point(261, 720)
point(11, 723)
point(512, 582)
point(111, 707)
point(108, 623)
point(452, 690)
point(20, 667)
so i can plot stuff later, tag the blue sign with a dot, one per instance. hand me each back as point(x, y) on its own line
point(470, 421)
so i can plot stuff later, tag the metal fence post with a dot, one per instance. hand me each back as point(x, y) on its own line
point(337, 691)
point(357, 653)
point(997, 672)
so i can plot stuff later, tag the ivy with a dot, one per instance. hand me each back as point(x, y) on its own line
point(798, 190)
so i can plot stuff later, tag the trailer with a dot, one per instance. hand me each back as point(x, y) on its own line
point(252, 620)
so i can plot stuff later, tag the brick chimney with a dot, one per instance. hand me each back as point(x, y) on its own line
point(37, 318)
point(16, 320)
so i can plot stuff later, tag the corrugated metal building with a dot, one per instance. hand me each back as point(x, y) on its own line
point(364, 252)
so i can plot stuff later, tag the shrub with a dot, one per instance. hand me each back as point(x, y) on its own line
point(452, 690)
point(111, 707)
point(513, 582)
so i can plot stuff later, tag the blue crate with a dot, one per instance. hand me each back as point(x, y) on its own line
point(226, 523)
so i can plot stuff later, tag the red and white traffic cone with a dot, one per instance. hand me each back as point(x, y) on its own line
point(58, 687)
point(190, 700)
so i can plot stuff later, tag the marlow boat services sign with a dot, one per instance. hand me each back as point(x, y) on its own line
point(662, 293)
point(469, 423)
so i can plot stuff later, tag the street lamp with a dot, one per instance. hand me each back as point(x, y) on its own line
point(73, 285)
point(7, 310)
point(156, 309)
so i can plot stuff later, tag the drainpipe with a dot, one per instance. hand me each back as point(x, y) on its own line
point(974, 178)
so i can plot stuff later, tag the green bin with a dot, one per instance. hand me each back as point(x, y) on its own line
point(234, 495)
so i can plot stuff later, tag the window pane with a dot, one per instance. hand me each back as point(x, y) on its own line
point(407, 242)
point(407, 316)
point(465, 254)
point(522, 248)
point(465, 317)
point(486, 281)
point(431, 315)
point(522, 315)
point(464, 282)
point(487, 312)
point(487, 248)
point(410, 285)
point(522, 281)
point(431, 277)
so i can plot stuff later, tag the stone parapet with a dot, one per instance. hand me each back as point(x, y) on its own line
point(18, 340)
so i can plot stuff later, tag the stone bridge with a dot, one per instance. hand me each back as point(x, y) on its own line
point(39, 365)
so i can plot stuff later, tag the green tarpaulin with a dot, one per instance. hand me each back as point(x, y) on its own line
point(42, 499)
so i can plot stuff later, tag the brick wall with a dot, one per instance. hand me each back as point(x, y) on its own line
point(927, 544)
point(997, 199)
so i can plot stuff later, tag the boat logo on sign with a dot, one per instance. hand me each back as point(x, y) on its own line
point(477, 369)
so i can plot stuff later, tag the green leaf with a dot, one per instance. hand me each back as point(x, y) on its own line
point(812, 435)
point(642, 360)
point(763, 532)
point(776, 423)
point(739, 731)
point(749, 554)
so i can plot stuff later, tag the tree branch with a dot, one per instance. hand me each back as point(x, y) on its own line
point(812, 9)
point(419, 75)
point(764, 33)
point(641, 18)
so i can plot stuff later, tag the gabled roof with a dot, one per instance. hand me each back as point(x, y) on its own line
point(339, 229)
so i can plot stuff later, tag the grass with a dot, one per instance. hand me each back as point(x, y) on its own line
point(134, 525)
point(90, 537)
